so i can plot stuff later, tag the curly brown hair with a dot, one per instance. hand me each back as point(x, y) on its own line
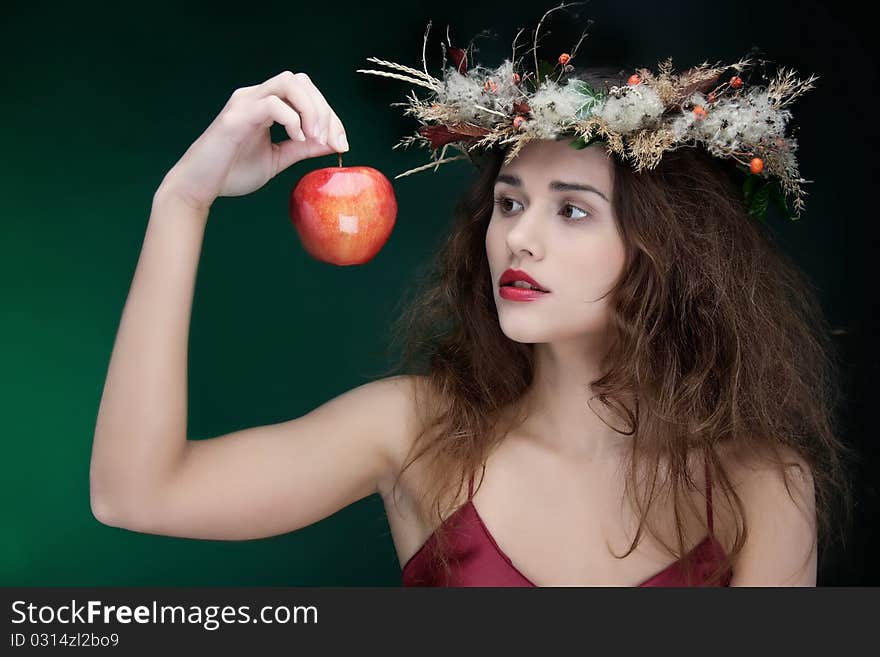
point(719, 343)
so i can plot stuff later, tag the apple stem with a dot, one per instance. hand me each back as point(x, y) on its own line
point(340, 160)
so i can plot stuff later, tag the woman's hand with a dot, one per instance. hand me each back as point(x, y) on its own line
point(235, 155)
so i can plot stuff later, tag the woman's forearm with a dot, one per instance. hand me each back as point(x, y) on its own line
point(141, 429)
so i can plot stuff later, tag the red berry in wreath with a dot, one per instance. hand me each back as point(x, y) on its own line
point(756, 165)
point(518, 121)
point(633, 80)
point(736, 82)
point(564, 58)
point(699, 112)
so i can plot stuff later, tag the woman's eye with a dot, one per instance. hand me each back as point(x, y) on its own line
point(501, 202)
point(574, 207)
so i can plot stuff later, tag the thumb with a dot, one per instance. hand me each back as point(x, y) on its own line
point(292, 151)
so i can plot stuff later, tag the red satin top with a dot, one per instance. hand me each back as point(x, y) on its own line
point(476, 559)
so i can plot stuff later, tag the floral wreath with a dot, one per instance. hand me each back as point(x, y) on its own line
point(475, 109)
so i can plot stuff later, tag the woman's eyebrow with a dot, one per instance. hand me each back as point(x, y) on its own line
point(555, 185)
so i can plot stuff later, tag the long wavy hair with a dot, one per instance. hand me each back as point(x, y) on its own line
point(719, 342)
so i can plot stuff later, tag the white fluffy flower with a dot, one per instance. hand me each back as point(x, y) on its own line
point(741, 121)
point(638, 107)
point(463, 92)
point(686, 125)
point(681, 126)
point(553, 106)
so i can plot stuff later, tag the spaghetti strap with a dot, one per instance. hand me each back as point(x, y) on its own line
point(709, 500)
point(476, 560)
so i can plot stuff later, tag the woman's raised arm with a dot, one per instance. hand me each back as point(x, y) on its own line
point(145, 474)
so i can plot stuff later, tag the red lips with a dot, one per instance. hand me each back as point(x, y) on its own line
point(512, 275)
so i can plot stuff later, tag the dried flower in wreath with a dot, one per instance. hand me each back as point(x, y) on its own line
point(474, 109)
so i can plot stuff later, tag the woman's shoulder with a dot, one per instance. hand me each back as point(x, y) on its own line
point(410, 402)
point(399, 400)
point(757, 486)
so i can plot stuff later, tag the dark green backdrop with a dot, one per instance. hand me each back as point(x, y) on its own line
point(99, 101)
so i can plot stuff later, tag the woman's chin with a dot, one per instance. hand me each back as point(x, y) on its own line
point(524, 334)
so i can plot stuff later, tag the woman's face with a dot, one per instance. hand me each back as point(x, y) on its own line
point(566, 239)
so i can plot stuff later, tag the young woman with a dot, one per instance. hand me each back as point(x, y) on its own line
point(660, 414)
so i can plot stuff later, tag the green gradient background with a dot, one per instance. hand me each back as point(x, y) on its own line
point(100, 101)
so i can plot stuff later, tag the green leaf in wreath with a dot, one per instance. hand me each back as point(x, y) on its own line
point(581, 142)
point(592, 98)
point(758, 202)
point(584, 89)
point(578, 143)
point(778, 198)
point(749, 187)
point(545, 69)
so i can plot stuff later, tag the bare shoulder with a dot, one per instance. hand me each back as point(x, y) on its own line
point(779, 512)
point(396, 398)
point(755, 474)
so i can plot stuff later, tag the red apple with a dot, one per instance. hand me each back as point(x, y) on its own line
point(343, 215)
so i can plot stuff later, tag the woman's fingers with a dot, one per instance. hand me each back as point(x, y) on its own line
point(337, 133)
point(288, 152)
point(292, 87)
point(335, 130)
point(315, 118)
point(276, 110)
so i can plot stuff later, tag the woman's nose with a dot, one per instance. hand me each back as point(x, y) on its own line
point(524, 234)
